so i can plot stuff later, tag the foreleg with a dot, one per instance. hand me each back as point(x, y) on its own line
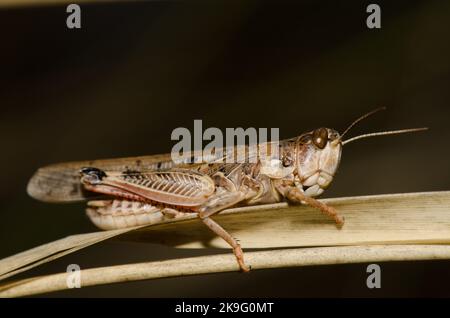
point(293, 194)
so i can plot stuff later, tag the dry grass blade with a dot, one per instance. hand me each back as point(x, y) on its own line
point(379, 219)
point(397, 219)
point(227, 263)
point(45, 253)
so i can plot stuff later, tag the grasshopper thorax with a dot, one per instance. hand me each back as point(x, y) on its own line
point(318, 154)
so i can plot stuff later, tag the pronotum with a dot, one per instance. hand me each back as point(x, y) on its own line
point(151, 189)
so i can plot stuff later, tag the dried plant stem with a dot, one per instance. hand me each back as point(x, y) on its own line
point(227, 263)
point(378, 228)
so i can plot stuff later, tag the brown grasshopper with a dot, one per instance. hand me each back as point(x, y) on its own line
point(151, 189)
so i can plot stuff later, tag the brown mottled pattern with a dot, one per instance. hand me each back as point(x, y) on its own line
point(61, 182)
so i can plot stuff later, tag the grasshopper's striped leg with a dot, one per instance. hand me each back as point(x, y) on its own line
point(328, 210)
point(293, 194)
point(237, 250)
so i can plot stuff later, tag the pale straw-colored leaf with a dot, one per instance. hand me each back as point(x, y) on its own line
point(413, 226)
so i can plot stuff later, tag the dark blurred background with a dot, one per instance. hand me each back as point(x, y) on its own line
point(135, 71)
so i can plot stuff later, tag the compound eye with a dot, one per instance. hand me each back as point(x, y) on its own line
point(320, 137)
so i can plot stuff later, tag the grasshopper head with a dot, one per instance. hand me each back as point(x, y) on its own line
point(319, 153)
point(318, 156)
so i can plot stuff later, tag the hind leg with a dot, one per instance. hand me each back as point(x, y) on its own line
point(226, 196)
point(214, 205)
point(223, 199)
point(237, 250)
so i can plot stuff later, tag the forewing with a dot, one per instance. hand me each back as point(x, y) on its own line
point(61, 182)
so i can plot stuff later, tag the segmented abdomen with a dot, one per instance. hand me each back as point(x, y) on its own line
point(119, 214)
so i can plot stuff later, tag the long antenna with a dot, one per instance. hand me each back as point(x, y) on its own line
point(384, 133)
point(361, 118)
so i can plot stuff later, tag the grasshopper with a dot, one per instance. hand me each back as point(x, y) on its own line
point(152, 189)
